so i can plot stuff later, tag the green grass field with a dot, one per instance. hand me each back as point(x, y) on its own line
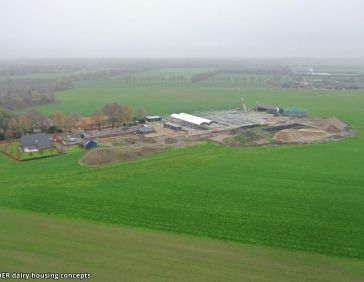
point(303, 197)
point(296, 197)
point(89, 96)
point(36, 243)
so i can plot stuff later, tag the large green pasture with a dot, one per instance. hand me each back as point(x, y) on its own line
point(307, 197)
point(89, 96)
point(37, 243)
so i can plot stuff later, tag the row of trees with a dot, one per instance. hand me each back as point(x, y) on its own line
point(271, 71)
point(20, 93)
point(156, 79)
point(117, 114)
point(13, 125)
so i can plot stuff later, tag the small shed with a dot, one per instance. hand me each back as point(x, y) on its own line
point(88, 144)
point(153, 118)
point(268, 108)
point(145, 130)
point(172, 126)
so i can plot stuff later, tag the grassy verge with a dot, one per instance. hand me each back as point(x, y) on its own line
point(37, 243)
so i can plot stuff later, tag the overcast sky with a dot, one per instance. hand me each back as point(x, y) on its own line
point(181, 28)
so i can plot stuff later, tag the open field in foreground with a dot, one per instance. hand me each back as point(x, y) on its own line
point(306, 197)
point(294, 196)
point(30, 242)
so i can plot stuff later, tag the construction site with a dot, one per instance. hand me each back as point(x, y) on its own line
point(262, 125)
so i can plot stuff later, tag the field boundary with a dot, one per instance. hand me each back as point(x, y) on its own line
point(9, 155)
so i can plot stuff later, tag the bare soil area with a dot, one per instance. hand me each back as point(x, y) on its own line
point(113, 151)
point(300, 136)
point(111, 155)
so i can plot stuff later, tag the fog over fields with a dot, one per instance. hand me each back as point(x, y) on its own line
point(160, 28)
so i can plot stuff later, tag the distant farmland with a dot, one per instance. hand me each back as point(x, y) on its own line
point(89, 96)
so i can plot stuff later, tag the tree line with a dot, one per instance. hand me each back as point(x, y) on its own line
point(20, 93)
point(13, 125)
point(273, 70)
point(117, 115)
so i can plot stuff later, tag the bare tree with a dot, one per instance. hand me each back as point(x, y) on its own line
point(58, 119)
point(36, 120)
point(23, 124)
point(114, 112)
point(70, 120)
point(139, 114)
point(128, 114)
point(99, 118)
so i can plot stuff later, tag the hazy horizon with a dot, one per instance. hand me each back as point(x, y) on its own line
point(157, 29)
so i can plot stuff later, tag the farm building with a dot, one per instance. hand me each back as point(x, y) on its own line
point(67, 141)
point(268, 108)
point(88, 144)
point(145, 129)
point(35, 142)
point(153, 118)
point(172, 126)
point(191, 119)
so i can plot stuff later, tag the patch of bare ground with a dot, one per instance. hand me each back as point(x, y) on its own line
point(300, 136)
point(170, 140)
point(308, 130)
point(118, 152)
point(112, 155)
point(319, 130)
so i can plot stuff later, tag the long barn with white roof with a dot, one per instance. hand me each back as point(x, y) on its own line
point(191, 119)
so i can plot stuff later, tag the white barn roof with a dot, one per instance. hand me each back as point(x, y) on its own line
point(192, 119)
point(153, 117)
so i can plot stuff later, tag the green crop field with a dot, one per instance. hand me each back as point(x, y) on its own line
point(302, 197)
point(89, 96)
point(36, 243)
point(297, 196)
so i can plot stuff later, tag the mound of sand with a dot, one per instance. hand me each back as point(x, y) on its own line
point(299, 136)
point(332, 125)
point(107, 156)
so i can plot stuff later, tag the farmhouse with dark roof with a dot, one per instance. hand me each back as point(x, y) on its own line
point(34, 142)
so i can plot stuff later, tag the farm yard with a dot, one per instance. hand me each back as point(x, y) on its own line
point(301, 201)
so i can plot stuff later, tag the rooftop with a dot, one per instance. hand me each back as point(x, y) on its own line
point(39, 139)
point(192, 119)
